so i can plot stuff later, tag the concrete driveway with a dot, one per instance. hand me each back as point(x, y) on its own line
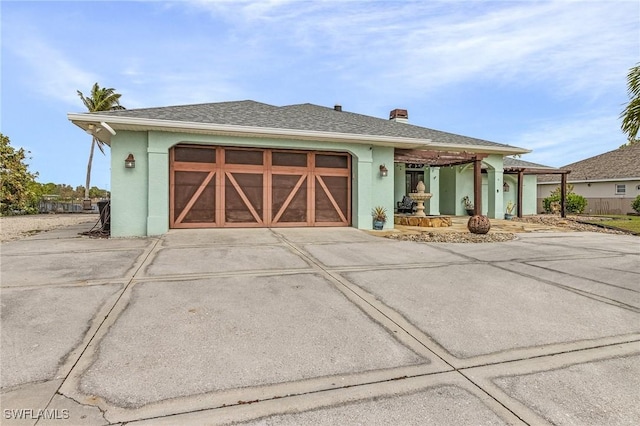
point(319, 326)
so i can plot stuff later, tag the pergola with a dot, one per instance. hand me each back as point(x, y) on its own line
point(445, 158)
point(521, 171)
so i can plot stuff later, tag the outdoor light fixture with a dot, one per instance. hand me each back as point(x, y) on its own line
point(505, 187)
point(130, 162)
point(90, 128)
point(383, 170)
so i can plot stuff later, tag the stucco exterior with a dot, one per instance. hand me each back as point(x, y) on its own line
point(141, 194)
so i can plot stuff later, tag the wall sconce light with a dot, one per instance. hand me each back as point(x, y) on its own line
point(130, 162)
point(383, 170)
point(505, 187)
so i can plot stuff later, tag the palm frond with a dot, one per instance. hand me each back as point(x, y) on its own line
point(100, 144)
point(631, 114)
point(633, 82)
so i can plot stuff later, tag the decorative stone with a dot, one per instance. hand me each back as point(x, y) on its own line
point(424, 222)
point(478, 224)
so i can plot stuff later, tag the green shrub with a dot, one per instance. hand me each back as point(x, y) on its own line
point(575, 203)
point(636, 204)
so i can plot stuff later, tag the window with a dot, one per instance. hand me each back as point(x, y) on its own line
point(621, 189)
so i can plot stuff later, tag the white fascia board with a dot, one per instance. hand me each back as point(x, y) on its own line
point(612, 180)
point(191, 127)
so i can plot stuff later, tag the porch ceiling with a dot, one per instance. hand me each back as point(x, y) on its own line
point(435, 158)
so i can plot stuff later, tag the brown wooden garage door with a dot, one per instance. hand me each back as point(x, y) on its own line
point(225, 187)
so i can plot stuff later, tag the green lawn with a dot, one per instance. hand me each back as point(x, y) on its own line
point(623, 222)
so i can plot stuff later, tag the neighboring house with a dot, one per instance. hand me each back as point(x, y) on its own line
point(249, 164)
point(608, 181)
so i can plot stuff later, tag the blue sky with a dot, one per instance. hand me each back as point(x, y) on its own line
point(544, 75)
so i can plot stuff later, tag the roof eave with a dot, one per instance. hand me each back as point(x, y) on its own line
point(144, 124)
point(599, 180)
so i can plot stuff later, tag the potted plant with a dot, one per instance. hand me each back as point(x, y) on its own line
point(509, 214)
point(468, 205)
point(379, 214)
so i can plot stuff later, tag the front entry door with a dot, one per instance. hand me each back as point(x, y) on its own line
point(412, 179)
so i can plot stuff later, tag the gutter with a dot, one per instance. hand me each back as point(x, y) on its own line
point(144, 124)
point(610, 180)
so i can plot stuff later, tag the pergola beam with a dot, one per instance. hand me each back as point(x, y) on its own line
point(436, 158)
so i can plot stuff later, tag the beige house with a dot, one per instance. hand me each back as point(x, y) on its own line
point(609, 181)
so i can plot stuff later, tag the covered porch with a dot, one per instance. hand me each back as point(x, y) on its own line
point(489, 181)
point(449, 177)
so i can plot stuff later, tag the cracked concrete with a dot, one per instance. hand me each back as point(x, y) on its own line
point(42, 326)
point(322, 326)
point(76, 413)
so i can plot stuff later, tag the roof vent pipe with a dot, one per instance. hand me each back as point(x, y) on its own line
point(337, 107)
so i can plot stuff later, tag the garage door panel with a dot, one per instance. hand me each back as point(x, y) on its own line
point(244, 156)
point(332, 161)
point(338, 189)
point(194, 199)
point(292, 159)
point(327, 208)
point(192, 154)
point(203, 210)
point(289, 193)
point(244, 198)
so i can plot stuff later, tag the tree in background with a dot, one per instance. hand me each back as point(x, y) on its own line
point(101, 99)
point(631, 114)
point(67, 192)
point(18, 184)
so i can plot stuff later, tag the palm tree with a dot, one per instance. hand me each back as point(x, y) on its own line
point(631, 114)
point(101, 99)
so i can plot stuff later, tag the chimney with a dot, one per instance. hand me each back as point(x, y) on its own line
point(399, 115)
point(337, 107)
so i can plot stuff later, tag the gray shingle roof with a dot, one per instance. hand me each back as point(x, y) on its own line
point(515, 163)
point(305, 117)
point(622, 163)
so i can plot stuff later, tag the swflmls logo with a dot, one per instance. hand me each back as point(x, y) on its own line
point(30, 414)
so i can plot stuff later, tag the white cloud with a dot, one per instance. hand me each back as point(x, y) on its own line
point(577, 46)
point(561, 142)
point(50, 72)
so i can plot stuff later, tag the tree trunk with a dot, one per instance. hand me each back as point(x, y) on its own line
point(88, 182)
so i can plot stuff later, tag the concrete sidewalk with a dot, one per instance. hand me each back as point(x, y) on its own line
point(319, 326)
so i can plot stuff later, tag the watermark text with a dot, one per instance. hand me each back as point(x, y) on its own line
point(31, 414)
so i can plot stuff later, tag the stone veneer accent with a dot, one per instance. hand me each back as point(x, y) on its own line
point(425, 222)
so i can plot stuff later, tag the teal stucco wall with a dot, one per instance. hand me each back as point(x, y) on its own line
point(140, 196)
point(129, 187)
point(382, 188)
point(529, 193)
